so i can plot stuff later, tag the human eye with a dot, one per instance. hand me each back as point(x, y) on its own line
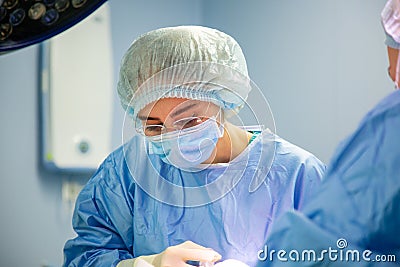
point(152, 130)
point(187, 122)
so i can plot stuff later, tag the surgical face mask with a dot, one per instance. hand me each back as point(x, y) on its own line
point(187, 148)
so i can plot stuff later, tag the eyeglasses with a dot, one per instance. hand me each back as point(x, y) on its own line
point(179, 125)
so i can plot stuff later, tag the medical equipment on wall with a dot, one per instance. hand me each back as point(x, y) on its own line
point(76, 95)
point(26, 22)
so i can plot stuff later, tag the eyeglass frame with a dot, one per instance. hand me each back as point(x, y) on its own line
point(141, 129)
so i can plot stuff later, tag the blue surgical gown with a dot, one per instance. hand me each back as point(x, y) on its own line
point(357, 209)
point(115, 219)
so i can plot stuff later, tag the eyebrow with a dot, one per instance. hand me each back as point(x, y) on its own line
point(145, 118)
point(181, 110)
point(174, 114)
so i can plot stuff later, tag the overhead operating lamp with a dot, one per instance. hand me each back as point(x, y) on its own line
point(26, 22)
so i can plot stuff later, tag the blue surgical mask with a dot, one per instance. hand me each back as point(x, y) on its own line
point(187, 148)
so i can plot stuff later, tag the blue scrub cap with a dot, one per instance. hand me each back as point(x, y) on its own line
point(191, 62)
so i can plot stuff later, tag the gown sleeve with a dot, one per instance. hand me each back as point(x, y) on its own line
point(103, 219)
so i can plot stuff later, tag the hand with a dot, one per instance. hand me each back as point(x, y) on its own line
point(176, 256)
point(231, 263)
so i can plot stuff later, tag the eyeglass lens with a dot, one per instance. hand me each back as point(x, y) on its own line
point(185, 123)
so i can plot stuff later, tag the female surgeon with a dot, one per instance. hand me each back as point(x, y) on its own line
point(189, 187)
point(354, 219)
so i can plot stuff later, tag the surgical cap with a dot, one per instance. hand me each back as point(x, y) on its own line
point(390, 18)
point(191, 62)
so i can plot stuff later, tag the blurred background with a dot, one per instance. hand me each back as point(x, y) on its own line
point(321, 65)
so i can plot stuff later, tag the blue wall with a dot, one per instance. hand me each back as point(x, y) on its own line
point(321, 64)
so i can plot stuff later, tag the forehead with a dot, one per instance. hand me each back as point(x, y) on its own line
point(165, 107)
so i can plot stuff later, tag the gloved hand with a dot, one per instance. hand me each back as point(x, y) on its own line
point(231, 263)
point(175, 256)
